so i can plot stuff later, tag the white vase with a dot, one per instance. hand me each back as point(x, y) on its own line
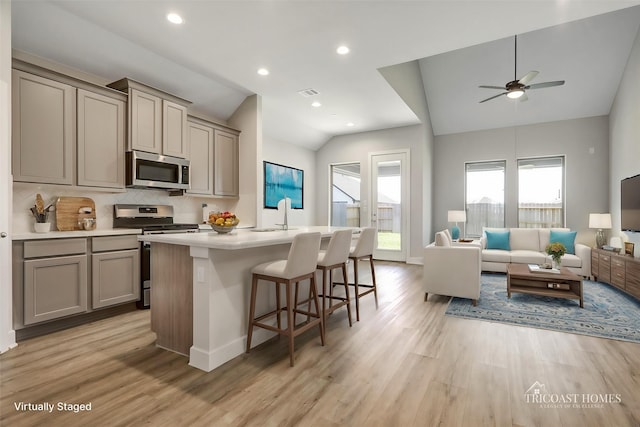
point(42, 227)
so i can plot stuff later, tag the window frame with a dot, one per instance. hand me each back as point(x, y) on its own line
point(498, 162)
point(563, 179)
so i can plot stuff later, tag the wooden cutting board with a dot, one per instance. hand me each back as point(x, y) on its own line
point(68, 214)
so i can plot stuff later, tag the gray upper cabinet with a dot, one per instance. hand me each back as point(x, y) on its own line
point(66, 131)
point(43, 127)
point(157, 120)
point(174, 130)
point(145, 122)
point(214, 158)
point(226, 179)
point(200, 138)
point(101, 134)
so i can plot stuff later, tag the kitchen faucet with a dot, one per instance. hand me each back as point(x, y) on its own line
point(285, 224)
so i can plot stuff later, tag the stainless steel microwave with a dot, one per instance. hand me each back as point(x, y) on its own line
point(148, 170)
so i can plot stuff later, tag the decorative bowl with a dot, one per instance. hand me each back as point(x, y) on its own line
point(229, 222)
point(223, 229)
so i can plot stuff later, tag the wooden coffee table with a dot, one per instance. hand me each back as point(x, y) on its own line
point(558, 285)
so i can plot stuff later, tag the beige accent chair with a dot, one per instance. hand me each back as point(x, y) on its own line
point(452, 270)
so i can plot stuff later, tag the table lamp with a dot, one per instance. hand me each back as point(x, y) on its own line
point(600, 222)
point(456, 216)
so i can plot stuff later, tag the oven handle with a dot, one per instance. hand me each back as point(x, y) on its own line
point(145, 261)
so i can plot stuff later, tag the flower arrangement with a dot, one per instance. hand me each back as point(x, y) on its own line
point(556, 250)
point(39, 211)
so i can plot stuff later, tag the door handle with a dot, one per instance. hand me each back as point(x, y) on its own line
point(3, 234)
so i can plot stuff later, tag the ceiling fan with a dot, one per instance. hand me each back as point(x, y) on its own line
point(516, 88)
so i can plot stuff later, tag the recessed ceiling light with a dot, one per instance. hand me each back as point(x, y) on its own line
point(174, 18)
point(263, 71)
point(350, 124)
point(342, 50)
point(316, 104)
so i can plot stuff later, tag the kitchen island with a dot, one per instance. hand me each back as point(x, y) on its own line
point(201, 285)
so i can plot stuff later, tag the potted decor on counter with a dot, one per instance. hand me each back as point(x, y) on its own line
point(556, 250)
point(41, 214)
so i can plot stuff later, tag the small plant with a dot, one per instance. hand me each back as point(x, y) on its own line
point(39, 211)
point(556, 250)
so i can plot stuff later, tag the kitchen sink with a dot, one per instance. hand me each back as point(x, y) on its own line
point(270, 229)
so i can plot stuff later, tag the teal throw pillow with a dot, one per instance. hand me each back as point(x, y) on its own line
point(567, 238)
point(498, 240)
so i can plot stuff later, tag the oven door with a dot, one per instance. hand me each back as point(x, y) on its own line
point(145, 276)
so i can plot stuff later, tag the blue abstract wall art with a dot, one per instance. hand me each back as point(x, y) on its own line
point(283, 181)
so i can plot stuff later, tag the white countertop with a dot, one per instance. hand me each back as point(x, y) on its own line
point(238, 238)
point(77, 233)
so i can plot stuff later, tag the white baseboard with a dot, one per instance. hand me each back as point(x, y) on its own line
point(209, 360)
point(9, 342)
point(415, 260)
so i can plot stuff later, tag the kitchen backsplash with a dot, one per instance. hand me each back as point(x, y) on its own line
point(187, 209)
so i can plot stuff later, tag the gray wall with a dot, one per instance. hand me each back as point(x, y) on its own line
point(624, 134)
point(356, 148)
point(586, 174)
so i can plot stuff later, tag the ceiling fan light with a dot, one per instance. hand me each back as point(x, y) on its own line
point(515, 94)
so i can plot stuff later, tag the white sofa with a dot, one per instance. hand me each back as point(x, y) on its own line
point(527, 246)
point(451, 270)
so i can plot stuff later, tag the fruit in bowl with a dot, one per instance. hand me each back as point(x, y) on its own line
point(223, 222)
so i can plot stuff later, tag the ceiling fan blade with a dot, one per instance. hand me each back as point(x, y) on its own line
point(528, 77)
point(523, 98)
point(495, 96)
point(492, 87)
point(545, 84)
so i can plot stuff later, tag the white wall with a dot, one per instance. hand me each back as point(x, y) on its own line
point(7, 334)
point(356, 148)
point(298, 157)
point(406, 80)
point(624, 135)
point(187, 209)
point(248, 118)
point(586, 174)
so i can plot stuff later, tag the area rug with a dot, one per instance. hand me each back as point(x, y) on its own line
point(607, 312)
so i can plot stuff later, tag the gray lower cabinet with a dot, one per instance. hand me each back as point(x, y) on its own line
point(55, 282)
point(56, 278)
point(115, 270)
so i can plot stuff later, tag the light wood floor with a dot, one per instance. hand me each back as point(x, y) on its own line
point(405, 364)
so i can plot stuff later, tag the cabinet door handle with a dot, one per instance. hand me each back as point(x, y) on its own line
point(3, 234)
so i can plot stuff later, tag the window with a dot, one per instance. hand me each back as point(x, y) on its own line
point(484, 196)
point(541, 192)
point(345, 195)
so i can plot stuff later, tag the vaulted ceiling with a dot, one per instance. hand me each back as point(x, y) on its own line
point(212, 58)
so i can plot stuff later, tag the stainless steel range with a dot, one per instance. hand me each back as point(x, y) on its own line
point(152, 219)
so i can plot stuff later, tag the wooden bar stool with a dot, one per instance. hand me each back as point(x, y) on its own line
point(299, 265)
point(363, 250)
point(336, 256)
